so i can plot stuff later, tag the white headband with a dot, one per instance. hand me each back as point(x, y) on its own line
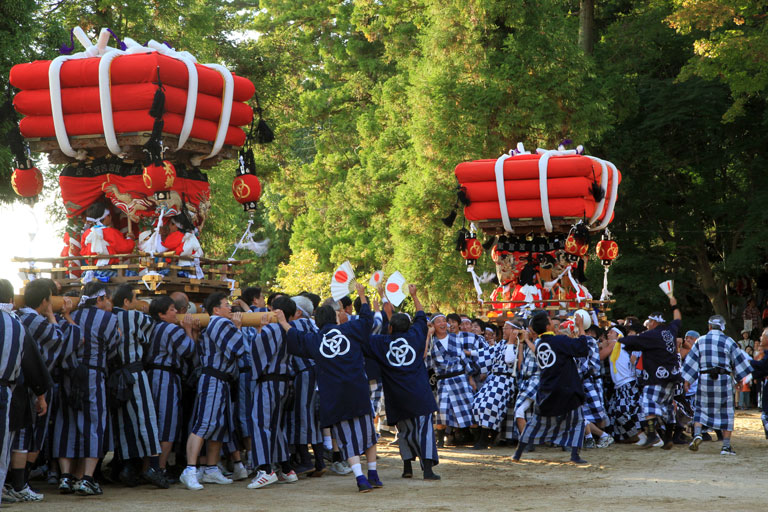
point(717, 323)
point(466, 320)
point(617, 331)
point(488, 329)
point(512, 324)
point(84, 298)
point(656, 318)
point(435, 317)
point(103, 216)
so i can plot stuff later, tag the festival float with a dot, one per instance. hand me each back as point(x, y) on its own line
point(539, 213)
point(135, 127)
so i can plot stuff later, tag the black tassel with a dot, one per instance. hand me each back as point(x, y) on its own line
point(264, 134)
point(449, 219)
point(461, 239)
point(597, 192)
point(462, 195)
point(581, 276)
point(489, 243)
point(158, 102)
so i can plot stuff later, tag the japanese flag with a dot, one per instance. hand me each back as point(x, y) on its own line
point(667, 287)
point(341, 281)
point(376, 278)
point(395, 288)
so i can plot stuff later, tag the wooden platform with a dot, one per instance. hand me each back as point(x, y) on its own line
point(132, 144)
point(493, 227)
point(218, 275)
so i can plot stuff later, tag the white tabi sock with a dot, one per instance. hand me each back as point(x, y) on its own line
point(357, 469)
point(328, 443)
point(371, 466)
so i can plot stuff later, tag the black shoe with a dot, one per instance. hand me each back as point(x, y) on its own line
point(705, 436)
point(431, 476)
point(128, 476)
point(440, 436)
point(679, 436)
point(66, 484)
point(88, 488)
point(156, 478)
point(171, 479)
point(363, 485)
point(407, 469)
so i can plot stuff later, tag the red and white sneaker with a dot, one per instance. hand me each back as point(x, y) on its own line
point(287, 478)
point(262, 479)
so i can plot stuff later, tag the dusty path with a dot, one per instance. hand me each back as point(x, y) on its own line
point(617, 478)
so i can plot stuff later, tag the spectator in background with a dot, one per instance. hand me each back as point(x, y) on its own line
point(751, 316)
point(746, 340)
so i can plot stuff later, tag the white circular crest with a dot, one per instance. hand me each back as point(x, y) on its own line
point(400, 353)
point(668, 336)
point(645, 375)
point(661, 373)
point(334, 344)
point(545, 356)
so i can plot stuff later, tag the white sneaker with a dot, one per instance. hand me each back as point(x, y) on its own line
point(604, 442)
point(189, 479)
point(262, 479)
point(224, 470)
point(658, 444)
point(240, 473)
point(340, 468)
point(215, 477)
point(27, 494)
point(287, 478)
point(641, 437)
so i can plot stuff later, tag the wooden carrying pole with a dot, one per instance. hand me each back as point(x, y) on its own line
point(249, 319)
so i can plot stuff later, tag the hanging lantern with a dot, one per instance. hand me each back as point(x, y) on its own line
point(247, 189)
point(575, 247)
point(27, 182)
point(473, 250)
point(607, 250)
point(158, 179)
point(577, 242)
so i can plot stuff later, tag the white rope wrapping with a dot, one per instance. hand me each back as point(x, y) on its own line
point(192, 86)
point(237, 245)
point(476, 281)
point(543, 190)
point(614, 194)
point(501, 193)
point(226, 113)
point(604, 185)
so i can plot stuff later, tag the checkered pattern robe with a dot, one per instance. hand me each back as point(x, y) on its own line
point(454, 393)
point(589, 370)
point(489, 406)
point(527, 379)
point(713, 405)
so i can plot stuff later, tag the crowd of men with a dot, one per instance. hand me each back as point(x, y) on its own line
point(177, 401)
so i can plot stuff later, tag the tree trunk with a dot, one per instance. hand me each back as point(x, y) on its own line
point(587, 25)
point(713, 289)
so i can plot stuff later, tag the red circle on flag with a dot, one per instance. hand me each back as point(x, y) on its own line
point(393, 287)
point(341, 276)
point(377, 277)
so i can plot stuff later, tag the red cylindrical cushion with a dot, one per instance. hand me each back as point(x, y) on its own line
point(85, 100)
point(127, 122)
point(531, 208)
point(526, 167)
point(128, 69)
point(529, 189)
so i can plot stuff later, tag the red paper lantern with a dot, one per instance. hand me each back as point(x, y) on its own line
point(247, 190)
point(473, 251)
point(27, 182)
point(159, 178)
point(607, 250)
point(576, 247)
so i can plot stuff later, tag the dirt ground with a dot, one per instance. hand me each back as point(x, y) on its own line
point(621, 477)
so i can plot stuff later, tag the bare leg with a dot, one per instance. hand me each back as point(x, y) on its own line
point(194, 444)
